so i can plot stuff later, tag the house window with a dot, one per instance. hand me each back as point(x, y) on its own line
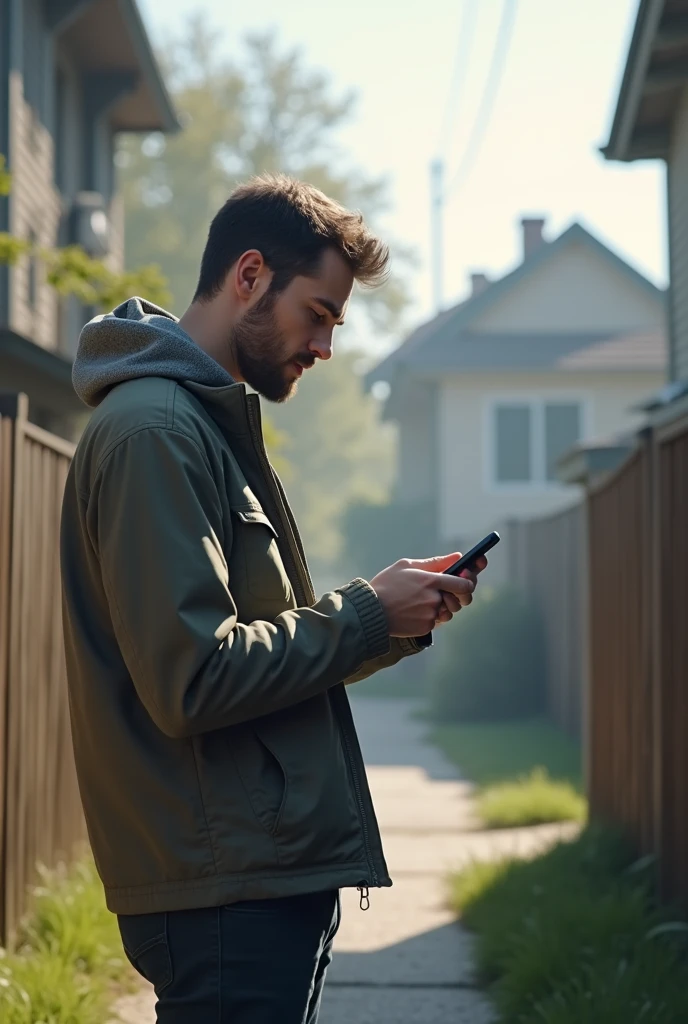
point(530, 436)
point(514, 454)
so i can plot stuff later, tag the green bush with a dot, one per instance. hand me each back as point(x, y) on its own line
point(492, 752)
point(69, 961)
point(491, 666)
point(375, 536)
point(576, 936)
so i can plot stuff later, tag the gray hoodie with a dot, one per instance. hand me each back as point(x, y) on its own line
point(138, 339)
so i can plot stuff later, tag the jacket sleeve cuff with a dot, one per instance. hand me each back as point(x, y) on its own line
point(372, 616)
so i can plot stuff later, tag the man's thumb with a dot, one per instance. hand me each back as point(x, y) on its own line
point(436, 564)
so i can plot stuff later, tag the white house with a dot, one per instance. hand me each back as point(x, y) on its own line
point(491, 393)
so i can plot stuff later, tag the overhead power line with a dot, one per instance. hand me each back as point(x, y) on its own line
point(467, 26)
point(487, 100)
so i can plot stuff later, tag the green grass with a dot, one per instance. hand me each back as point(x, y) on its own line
point(494, 752)
point(69, 959)
point(531, 800)
point(575, 936)
point(527, 772)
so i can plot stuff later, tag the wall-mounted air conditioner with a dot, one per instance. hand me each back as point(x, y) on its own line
point(90, 224)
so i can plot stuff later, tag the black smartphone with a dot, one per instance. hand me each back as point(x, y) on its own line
point(468, 560)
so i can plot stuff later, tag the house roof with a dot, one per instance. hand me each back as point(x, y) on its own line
point(527, 351)
point(108, 38)
point(447, 341)
point(46, 376)
point(655, 75)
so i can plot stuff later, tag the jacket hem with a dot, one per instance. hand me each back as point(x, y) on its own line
point(217, 891)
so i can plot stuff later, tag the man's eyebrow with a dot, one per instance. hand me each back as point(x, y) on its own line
point(332, 309)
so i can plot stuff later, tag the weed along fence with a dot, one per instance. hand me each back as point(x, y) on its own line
point(545, 560)
point(40, 810)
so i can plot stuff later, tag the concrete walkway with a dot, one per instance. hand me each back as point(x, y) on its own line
point(406, 960)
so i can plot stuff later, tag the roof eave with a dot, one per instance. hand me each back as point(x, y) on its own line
point(150, 69)
point(622, 144)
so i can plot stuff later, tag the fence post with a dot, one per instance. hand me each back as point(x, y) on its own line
point(654, 625)
point(13, 414)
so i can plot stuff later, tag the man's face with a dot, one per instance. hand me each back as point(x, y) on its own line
point(284, 334)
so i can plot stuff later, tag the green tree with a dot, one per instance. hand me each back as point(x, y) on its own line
point(71, 271)
point(267, 111)
point(339, 451)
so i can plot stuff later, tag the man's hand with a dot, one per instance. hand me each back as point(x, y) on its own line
point(417, 596)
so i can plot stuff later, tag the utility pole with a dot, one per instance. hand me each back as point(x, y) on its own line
point(437, 235)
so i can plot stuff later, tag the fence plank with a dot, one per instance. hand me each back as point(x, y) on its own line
point(546, 562)
point(621, 704)
point(673, 663)
point(6, 499)
point(40, 811)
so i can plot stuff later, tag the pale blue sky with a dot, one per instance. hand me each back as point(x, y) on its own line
point(540, 153)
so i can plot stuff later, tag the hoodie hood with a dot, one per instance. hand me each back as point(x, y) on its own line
point(138, 339)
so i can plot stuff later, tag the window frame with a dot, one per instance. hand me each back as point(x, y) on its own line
point(536, 402)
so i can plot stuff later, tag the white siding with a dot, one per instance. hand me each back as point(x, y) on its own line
point(34, 207)
point(678, 234)
point(469, 505)
point(576, 287)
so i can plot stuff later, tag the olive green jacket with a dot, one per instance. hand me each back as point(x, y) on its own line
point(215, 749)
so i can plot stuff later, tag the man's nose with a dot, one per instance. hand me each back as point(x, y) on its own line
point(321, 347)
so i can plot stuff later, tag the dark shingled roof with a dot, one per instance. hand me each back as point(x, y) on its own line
point(572, 352)
point(448, 341)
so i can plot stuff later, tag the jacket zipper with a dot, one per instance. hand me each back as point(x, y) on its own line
point(259, 446)
point(364, 821)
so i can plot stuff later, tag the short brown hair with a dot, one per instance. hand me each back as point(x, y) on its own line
point(291, 223)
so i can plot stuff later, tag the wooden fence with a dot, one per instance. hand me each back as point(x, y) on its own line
point(638, 757)
point(546, 561)
point(611, 580)
point(620, 747)
point(40, 810)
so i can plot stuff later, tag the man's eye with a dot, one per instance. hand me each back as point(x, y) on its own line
point(317, 318)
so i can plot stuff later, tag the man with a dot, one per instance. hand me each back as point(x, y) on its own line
point(222, 781)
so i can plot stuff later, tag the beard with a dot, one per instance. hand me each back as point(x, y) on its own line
point(260, 351)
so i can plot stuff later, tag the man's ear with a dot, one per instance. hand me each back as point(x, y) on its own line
point(250, 275)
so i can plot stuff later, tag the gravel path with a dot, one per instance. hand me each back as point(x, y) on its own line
point(406, 960)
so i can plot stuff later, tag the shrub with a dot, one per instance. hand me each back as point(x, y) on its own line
point(375, 536)
point(491, 666)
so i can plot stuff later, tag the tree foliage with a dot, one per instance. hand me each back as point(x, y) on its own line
point(266, 111)
point(71, 271)
point(339, 451)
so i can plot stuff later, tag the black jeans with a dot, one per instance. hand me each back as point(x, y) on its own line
point(257, 962)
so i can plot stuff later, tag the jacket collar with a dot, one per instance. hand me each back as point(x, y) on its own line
point(230, 406)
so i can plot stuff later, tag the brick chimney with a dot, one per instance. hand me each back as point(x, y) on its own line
point(479, 283)
point(532, 228)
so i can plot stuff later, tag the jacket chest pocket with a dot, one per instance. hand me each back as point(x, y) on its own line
point(256, 557)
